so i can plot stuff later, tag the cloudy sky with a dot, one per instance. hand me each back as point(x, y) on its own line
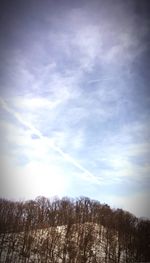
point(75, 101)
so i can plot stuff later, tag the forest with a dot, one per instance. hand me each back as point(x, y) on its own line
point(71, 230)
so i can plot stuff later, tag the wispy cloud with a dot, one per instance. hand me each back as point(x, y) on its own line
point(48, 141)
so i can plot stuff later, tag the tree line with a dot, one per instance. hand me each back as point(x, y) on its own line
point(70, 230)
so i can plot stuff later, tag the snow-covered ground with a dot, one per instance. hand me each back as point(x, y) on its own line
point(52, 245)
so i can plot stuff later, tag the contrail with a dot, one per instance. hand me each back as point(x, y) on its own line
point(48, 141)
point(102, 79)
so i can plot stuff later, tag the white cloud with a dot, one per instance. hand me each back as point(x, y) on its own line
point(125, 50)
point(87, 40)
point(34, 103)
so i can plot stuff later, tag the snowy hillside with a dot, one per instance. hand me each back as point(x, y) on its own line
point(71, 231)
point(80, 243)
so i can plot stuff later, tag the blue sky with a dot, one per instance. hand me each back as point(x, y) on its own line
point(75, 101)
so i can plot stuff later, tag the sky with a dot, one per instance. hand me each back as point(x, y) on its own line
point(75, 101)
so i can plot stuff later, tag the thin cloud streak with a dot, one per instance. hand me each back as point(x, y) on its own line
point(66, 156)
